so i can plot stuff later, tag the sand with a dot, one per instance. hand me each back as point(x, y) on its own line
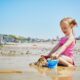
point(15, 60)
point(17, 68)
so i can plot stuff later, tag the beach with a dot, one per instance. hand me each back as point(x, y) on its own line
point(15, 59)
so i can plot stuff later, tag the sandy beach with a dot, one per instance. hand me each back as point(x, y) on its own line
point(15, 60)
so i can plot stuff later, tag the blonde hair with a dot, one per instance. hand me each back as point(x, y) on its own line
point(72, 22)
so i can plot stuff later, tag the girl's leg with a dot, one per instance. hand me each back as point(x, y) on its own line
point(66, 61)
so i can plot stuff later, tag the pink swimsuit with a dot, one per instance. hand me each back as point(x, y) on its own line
point(70, 49)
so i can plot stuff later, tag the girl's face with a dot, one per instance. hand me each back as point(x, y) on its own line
point(66, 28)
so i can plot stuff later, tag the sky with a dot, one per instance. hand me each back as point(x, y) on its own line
point(37, 18)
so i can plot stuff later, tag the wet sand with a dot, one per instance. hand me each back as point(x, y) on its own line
point(17, 68)
point(15, 60)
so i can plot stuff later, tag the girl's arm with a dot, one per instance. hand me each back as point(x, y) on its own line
point(54, 49)
point(63, 47)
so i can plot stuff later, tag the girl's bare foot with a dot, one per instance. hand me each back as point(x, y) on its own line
point(72, 66)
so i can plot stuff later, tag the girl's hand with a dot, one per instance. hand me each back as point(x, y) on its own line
point(57, 56)
point(54, 56)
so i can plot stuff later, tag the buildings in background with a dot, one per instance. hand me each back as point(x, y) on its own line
point(5, 39)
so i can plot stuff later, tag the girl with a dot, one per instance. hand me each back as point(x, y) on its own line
point(63, 51)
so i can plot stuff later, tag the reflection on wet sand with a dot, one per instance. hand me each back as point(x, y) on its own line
point(60, 73)
point(40, 73)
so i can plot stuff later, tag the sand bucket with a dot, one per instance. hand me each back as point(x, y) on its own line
point(53, 63)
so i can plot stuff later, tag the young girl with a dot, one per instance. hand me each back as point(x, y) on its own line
point(63, 51)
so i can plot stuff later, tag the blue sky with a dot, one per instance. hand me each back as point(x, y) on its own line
point(37, 18)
